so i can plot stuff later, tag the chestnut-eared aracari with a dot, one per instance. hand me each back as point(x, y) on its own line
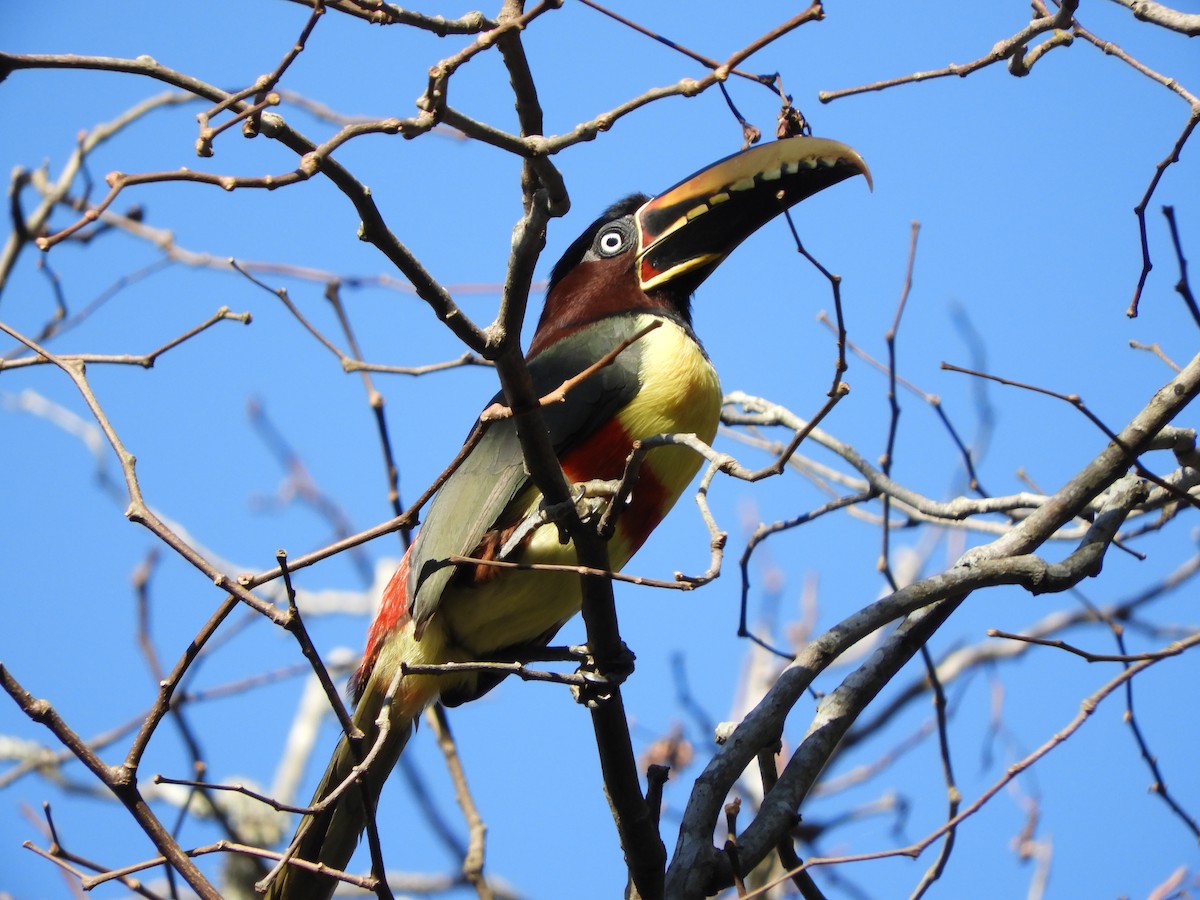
point(637, 264)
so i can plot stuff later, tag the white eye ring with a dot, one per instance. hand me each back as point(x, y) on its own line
point(611, 242)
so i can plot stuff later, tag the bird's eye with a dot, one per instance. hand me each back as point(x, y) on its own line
point(611, 242)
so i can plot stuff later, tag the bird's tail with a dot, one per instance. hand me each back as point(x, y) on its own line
point(386, 706)
point(329, 836)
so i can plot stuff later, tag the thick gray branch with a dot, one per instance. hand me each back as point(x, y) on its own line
point(1164, 16)
point(697, 868)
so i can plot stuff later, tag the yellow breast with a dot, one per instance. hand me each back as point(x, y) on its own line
point(679, 393)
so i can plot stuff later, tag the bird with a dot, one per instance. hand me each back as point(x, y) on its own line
point(634, 267)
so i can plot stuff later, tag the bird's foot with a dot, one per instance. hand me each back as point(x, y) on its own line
point(592, 499)
point(598, 681)
point(598, 503)
point(589, 499)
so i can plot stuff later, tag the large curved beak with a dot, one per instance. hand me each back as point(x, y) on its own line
point(685, 232)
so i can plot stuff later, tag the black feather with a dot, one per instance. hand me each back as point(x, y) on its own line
point(574, 253)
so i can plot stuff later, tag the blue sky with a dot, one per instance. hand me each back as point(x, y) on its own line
point(1024, 190)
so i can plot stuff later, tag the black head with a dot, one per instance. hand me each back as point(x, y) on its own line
point(652, 253)
point(587, 245)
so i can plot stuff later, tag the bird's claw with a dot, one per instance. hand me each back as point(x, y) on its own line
point(589, 499)
point(598, 682)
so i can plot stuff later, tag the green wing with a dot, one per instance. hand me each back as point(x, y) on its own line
point(473, 498)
